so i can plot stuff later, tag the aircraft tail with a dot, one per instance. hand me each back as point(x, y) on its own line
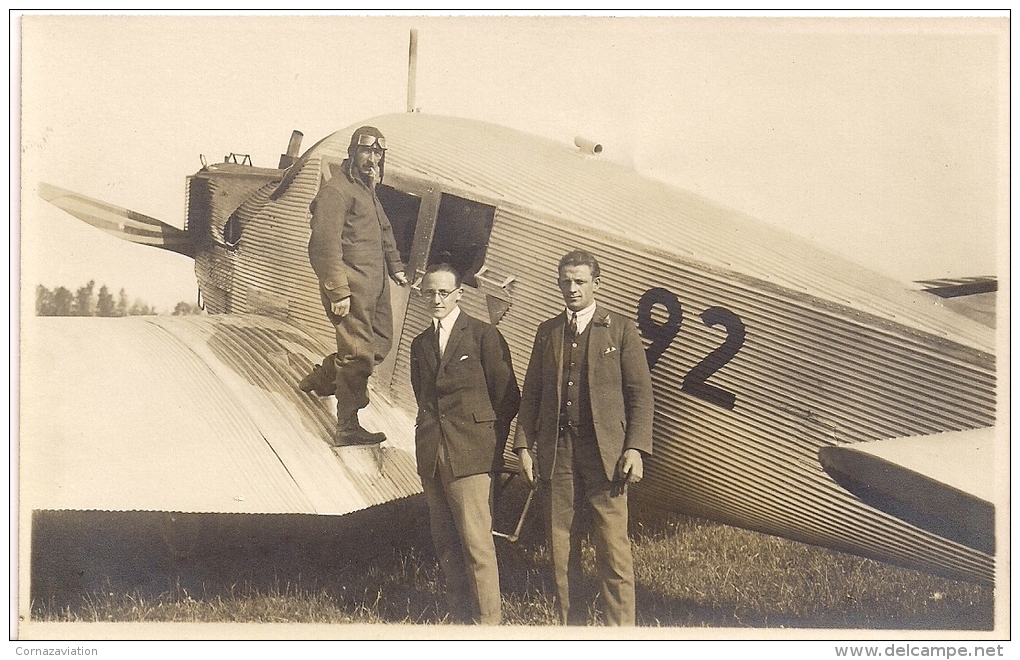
point(973, 297)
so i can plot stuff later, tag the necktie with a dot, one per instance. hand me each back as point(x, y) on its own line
point(573, 324)
point(439, 342)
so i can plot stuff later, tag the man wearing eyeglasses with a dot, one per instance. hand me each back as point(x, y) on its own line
point(463, 380)
point(352, 250)
point(587, 411)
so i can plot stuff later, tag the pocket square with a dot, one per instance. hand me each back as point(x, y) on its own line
point(609, 350)
point(462, 358)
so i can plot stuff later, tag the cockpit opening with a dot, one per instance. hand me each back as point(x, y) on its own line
point(462, 235)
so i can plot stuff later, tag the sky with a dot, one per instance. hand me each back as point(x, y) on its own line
point(884, 140)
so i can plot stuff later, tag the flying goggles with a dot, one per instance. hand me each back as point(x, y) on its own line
point(371, 141)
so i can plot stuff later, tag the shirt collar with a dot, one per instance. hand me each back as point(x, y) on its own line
point(448, 320)
point(583, 317)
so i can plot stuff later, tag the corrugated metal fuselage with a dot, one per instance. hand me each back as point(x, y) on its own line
point(763, 349)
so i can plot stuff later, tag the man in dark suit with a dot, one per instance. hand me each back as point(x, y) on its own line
point(587, 409)
point(467, 395)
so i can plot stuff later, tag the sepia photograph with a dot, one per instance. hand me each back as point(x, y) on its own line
point(546, 327)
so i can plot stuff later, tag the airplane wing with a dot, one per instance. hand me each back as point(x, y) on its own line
point(122, 223)
point(193, 414)
point(938, 482)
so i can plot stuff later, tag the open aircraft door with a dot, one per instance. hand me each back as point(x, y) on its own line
point(409, 210)
point(455, 230)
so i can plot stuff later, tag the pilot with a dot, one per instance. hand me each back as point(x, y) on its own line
point(586, 411)
point(463, 380)
point(352, 251)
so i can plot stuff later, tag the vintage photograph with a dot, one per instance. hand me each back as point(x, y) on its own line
point(534, 327)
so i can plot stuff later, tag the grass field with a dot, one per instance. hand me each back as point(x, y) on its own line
point(378, 566)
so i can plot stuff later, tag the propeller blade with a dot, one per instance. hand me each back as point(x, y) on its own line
point(122, 223)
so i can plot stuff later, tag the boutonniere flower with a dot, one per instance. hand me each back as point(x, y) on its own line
point(603, 322)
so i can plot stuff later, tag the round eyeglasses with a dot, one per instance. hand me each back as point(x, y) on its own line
point(431, 293)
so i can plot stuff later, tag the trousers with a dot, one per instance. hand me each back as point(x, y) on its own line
point(460, 518)
point(581, 499)
point(363, 337)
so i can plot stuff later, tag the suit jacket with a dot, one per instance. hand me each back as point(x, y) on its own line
point(467, 399)
point(619, 383)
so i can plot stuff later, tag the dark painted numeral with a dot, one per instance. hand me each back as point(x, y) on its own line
point(694, 382)
point(661, 334)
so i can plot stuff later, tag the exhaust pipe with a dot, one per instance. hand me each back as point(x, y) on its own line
point(587, 146)
point(287, 159)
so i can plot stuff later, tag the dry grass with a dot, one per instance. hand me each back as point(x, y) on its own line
point(693, 572)
point(378, 567)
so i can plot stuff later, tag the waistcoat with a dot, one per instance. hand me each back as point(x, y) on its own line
point(575, 400)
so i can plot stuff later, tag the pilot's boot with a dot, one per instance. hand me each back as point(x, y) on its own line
point(322, 379)
point(371, 437)
point(350, 432)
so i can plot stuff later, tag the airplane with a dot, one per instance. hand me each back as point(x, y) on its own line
point(796, 393)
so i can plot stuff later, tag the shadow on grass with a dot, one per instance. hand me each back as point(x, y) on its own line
point(378, 566)
point(372, 566)
point(379, 556)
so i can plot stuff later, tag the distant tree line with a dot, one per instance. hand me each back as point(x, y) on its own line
point(85, 302)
